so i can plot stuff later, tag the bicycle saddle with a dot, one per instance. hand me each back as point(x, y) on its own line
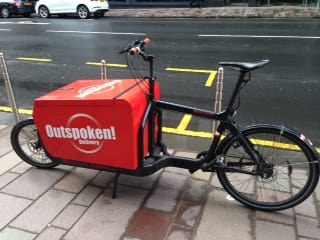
point(247, 66)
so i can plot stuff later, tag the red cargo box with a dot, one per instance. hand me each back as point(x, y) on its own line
point(94, 121)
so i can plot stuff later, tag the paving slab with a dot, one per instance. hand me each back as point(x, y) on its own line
point(166, 193)
point(286, 216)
point(8, 161)
point(188, 214)
point(267, 230)
point(179, 233)
point(307, 207)
point(11, 233)
point(87, 195)
point(102, 179)
point(10, 208)
point(149, 224)
point(51, 233)
point(7, 178)
point(107, 216)
point(34, 183)
point(4, 140)
point(141, 182)
point(76, 180)
point(69, 216)
point(223, 219)
point(21, 168)
point(196, 191)
point(3, 126)
point(37, 217)
point(308, 227)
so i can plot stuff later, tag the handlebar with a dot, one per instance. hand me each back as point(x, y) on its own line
point(137, 47)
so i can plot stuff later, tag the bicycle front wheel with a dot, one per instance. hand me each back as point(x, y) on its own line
point(292, 175)
point(26, 143)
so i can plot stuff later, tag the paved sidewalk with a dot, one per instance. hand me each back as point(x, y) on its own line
point(217, 12)
point(75, 203)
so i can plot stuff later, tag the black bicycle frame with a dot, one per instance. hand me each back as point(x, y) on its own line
point(153, 117)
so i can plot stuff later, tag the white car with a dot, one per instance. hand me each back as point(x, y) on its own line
point(83, 8)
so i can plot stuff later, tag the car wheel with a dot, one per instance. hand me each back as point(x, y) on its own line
point(43, 12)
point(83, 12)
point(5, 12)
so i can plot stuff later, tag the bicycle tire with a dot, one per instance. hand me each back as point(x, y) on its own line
point(27, 144)
point(295, 171)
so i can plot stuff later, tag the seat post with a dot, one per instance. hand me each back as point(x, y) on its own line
point(237, 88)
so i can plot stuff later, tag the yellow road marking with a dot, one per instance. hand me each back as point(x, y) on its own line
point(188, 70)
point(108, 64)
point(210, 80)
point(269, 143)
point(188, 133)
point(209, 83)
point(35, 59)
point(184, 122)
point(22, 111)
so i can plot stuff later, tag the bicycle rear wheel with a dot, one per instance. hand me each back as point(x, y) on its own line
point(26, 143)
point(293, 175)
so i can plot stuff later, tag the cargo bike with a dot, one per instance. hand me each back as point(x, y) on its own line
point(115, 125)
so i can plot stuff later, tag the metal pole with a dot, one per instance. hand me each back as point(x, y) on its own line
point(218, 102)
point(9, 89)
point(103, 70)
point(318, 5)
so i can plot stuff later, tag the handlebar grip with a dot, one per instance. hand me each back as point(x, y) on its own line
point(147, 41)
point(134, 51)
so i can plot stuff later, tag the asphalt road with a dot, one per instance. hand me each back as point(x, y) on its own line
point(286, 91)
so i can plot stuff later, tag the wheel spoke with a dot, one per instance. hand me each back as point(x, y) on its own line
point(26, 143)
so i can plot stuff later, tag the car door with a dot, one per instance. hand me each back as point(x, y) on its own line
point(55, 6)
point(70, 6)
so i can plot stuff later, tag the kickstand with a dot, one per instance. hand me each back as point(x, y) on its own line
point(115, 185)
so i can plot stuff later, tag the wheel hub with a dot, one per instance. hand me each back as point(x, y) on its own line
point(267, 171)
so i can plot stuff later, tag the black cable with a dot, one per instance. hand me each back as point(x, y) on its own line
point(136, 75)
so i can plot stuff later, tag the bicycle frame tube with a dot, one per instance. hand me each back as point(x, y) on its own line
point(243, 140)
point(220, 116)
point(155, 108)
point(226, 123)
point(237, 88)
